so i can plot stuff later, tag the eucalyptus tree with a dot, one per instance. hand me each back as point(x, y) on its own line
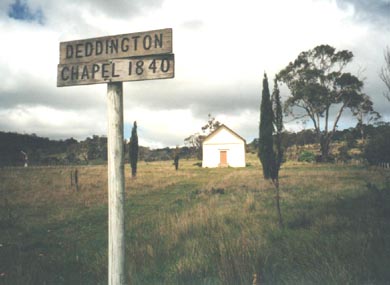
point(195, 141)
point(321, 90)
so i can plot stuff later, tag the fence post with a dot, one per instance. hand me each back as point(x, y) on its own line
point(76, 180)
point(71, 180)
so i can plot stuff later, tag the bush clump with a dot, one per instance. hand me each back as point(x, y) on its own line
point(377, 149)
point(307, 156)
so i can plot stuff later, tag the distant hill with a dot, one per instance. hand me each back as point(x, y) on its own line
point(92, 150)
point(38, 149)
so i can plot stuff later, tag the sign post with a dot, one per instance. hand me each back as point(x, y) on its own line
point(116, 185)
point(113, 60)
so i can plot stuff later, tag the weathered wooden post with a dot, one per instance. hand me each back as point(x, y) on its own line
point(116, 185)
point(25, 157)
point(71, 180)
point(113, 60)
point(74, 180)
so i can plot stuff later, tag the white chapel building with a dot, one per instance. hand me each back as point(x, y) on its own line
point(223, 148)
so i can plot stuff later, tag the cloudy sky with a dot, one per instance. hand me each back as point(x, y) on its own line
point(221, 47)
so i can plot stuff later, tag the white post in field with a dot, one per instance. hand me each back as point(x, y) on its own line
point(113, 60)
point(116, 185)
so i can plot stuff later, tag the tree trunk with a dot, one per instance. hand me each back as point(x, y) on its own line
point(362, 133)
point(277, 198)
point(324, 144)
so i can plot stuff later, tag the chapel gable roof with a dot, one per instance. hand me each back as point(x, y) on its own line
point(228, 129)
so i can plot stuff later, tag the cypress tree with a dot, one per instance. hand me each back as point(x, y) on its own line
point(270, 152)
point(265, 152)
point(278, 123)
point(133, 150)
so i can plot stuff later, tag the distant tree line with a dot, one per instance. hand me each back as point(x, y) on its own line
point(308, 136)
point(43, 151)
point(92, 150)
point(373, 147)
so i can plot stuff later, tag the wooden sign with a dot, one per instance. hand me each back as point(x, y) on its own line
point(116, 70)
point(118, 46)
point(112, 60)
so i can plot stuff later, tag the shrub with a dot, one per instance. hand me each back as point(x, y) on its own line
point(306, 156)
point(377, 149)
point(343, 153)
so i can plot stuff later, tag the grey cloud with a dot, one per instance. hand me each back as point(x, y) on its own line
point(377, 11)
point(201, 99)
point(160, 136)
point(32, 92)
point(225, 104)
point(229, 100)
point(4, 6)
point(79, 131)
point(73, 17)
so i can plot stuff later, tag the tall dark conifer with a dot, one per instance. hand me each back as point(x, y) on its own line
point(133, 150)
point(270, 151)
point(266, 153)
point(278, 123)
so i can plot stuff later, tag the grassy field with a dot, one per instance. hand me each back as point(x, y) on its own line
point(198, 226)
